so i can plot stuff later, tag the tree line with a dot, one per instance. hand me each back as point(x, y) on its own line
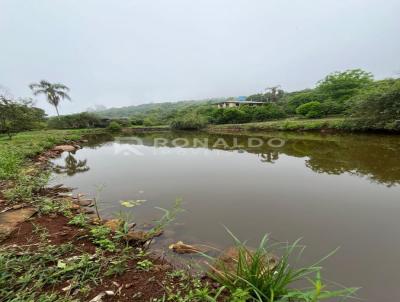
point(354, 94)
point(367, 104)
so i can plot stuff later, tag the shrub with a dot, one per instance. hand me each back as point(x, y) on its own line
point(75, 121)
point(114, 126)
point(296, 99)
point(310, 110)
point(136, 121)
point(379, 109)
point(267, 112)
point(193, 122)
point(255, 274)
point(235, 116)
point(331, 108)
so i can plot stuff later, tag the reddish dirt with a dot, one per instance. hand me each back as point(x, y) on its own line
point(145, 285)
point(3, 202)
point(135, 285)
point(59, 231)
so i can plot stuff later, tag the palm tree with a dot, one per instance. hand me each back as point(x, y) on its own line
point(54, 92)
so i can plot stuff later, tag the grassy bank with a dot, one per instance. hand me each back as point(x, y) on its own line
point(292, 124)
point(15, 153)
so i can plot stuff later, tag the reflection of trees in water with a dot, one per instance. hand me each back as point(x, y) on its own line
point(97, 140)
point(72, 166)
point(269, 157)
point(372, 156)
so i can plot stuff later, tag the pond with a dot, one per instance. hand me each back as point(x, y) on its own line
point(331, 190)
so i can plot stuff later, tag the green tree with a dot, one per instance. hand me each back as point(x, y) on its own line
point(234, 116)
point(267, 112)
point(76, 121)
point(54, 92)
point(272, 95)
point(295, 99)
point(16, 116)
point(114, 126)
point(189, 122)
point(379, 108)
point(341, 86)
point(310, 110)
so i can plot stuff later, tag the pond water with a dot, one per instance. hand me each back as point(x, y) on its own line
point(331, 190)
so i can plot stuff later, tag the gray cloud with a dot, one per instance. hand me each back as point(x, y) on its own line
point(130, 52)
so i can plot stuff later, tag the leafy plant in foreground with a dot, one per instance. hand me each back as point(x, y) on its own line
point(266, 281)
point(80, 220)
point(100, 235)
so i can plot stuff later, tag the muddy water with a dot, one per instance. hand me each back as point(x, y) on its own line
point(333, 191)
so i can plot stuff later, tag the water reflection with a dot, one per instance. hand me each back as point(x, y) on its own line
point(71, 166)
point(372, 156)
point(325, 188)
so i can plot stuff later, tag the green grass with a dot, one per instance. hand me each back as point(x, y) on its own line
point(292, 124)
point(24, 273)
point(25, 145)
point(149, 127)
point(260, 279)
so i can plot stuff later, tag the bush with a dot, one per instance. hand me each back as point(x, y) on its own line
point(75, 121)
point(332, 108)
point(136, 121)
point(150, 121)
point(310, 110)
point(114, 126)
point(267, 112)
point(188, 123)
point(379, 109)
point(235, 116)
point(296, 99)
point(18, 115)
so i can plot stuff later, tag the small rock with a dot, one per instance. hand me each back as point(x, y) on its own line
point(142, 236)
point(85, 202)
point(116, 284)
point(182, 248)
point(64, 148)
point(67, 288)
point(87, 211)
point(113, 224)
point(9, 220)
point(95, 221)
point(75, 206)
point(128, 285)
point(109, 293)
point(99, 297)
point(137, 236)
point(161, 267)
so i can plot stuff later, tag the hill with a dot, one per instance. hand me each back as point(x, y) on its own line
point(167, 109)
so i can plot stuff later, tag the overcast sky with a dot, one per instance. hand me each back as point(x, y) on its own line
point(128, 52)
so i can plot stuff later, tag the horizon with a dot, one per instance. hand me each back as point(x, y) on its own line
point(132, 52)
